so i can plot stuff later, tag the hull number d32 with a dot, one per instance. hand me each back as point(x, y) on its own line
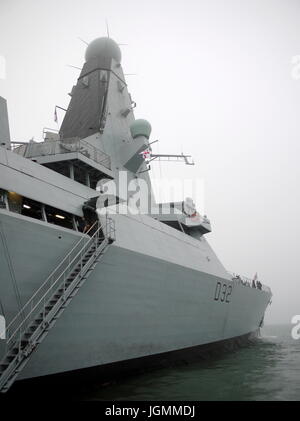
point(223, 292)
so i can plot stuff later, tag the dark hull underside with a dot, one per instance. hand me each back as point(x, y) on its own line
point(78, 382)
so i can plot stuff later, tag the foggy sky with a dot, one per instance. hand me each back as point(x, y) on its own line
point(214, 78)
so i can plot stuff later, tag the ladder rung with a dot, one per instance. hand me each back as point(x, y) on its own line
point(38, 321)
point(15, 360)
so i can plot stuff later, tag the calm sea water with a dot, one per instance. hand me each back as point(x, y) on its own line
point(267, 370)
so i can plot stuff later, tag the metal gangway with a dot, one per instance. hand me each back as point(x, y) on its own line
point(35, 319)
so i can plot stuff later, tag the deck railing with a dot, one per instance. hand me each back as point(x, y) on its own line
point(55, 147)
point(243, 280)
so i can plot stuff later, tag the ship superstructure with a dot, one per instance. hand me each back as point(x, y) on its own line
point(85, 282)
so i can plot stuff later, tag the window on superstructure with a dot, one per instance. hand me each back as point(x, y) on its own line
point(37, 210)
point(59, 217)
point(3, 199)
point(32, 209)
point(14, 202)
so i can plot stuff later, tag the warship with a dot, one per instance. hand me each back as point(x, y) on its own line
point(93, 280)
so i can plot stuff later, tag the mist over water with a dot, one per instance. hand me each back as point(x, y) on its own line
point(267, 370)
point(217, 80)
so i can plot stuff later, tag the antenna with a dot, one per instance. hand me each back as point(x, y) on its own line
point(107, 28)
point(173, 158)
point(74, 67)
point(107, 31)
point(83, 41)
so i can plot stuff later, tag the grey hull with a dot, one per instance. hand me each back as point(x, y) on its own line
point(71, 381)
point(132, 306)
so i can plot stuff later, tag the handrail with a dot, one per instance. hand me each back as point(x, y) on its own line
point(234, 277)
point(30, 302)
point(52, 283)
point(96, 152)
point(77, 145)
point(51, 302)
point(18, 329)
point(50, 276)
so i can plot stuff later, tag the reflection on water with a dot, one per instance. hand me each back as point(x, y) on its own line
point(267, 370)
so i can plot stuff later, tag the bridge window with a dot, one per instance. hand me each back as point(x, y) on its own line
point(37, 210)
point(32, 209)
point(59, 217)
point(14, 202)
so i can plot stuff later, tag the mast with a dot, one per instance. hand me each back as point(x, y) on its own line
point(101, 112)
point(4, 125)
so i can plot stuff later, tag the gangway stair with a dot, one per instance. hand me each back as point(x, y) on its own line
point(34, 321)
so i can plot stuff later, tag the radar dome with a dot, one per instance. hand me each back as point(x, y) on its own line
point(140, 128)
point(103, 47)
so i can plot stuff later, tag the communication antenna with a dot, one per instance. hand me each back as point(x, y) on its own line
point(83, 41)
point(107, 28)
point(74, 67)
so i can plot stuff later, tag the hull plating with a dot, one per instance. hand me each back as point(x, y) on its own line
point(133, 305)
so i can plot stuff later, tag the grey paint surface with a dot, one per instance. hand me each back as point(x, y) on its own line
point(35, 249)
point(31, 180)
point(4, 125)
point(83, 116)
point(133, 304)
point(154, 289)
